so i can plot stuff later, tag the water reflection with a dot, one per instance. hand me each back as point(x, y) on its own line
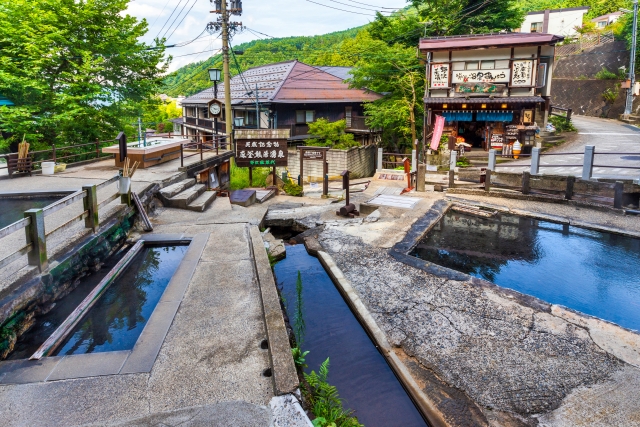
point(586, 270)
point(362, 376)
point(117, 319)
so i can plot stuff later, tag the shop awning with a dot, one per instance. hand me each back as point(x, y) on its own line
point(494, 116)
point(462, 116)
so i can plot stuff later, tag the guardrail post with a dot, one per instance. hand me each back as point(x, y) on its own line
point(587, 164)
point(452, 178)
point(53, 152)
point(487, 180)
point(379, 158)
point(568, 193)
point(492, 160)
point(414, 160)
point(618, 192)
point(535, 161)
point(90, 203)
point(453, 160)
point(526, 182)
point(36, 236)
point(181, 155)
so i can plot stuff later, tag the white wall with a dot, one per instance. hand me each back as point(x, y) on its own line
point(560, 23)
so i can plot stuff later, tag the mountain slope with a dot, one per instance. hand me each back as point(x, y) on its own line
point(313, 50)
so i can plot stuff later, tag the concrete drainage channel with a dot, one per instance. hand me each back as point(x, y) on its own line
point(370, 377)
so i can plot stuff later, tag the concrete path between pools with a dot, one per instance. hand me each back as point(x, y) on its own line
point(213, 367)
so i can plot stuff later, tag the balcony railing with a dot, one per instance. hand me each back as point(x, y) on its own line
point(205, 123)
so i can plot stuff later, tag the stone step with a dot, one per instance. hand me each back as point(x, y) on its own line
point(202, 202)
point(182, 199)
point(172, 190)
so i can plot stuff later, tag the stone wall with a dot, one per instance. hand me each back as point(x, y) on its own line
point(575, 85)
point(360, 161)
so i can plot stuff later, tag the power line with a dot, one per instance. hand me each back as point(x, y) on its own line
point(342, 10)
point(165, 22)
point(158, 16)
point(370, 5)
point(359, 7)
point(189, 11)
point(176, 18)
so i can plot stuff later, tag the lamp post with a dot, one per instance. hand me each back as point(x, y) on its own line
point(632, 63)
point(214, 76)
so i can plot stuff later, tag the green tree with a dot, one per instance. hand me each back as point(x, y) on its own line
point(74, 69)
point(327, 134)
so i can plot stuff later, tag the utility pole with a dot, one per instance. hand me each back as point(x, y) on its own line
point(257, 109)
point(223, 24)
point(632, 65)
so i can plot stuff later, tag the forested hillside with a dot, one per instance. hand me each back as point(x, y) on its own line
point(314, 50)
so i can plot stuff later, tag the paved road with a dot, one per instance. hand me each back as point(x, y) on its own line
point(608, 136)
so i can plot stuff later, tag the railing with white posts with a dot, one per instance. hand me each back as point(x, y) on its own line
point(34, 226)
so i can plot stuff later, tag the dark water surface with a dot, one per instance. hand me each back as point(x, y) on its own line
point(12, 209)
point(46, 324)
point(117, 319)
point(589, 271)
point(361, 374)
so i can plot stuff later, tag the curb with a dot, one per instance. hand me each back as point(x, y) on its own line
point(285, 377)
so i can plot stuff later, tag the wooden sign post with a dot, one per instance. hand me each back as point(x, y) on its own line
point(262, 148)
point(315, 153)
point(349, 209)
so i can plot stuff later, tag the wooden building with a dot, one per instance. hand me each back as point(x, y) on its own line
point(284, 95)
point(492, 89)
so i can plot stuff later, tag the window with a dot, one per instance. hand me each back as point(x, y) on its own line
point(488, 65)
point(536, 27)
point(305, 116)
point(602, 24)
point(471, 65)
point(457, 66)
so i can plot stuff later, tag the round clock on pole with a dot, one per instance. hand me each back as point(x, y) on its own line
point(215, 108)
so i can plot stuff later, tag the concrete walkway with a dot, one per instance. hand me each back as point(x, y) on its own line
point(211, 360)
point(607, 135)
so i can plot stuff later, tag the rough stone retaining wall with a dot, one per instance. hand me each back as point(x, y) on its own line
point(575, 85)
point(360, 161)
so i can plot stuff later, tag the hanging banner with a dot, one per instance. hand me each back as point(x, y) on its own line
point(440, 75)
point(522, 73)
point(438, 127)
point(479, 76)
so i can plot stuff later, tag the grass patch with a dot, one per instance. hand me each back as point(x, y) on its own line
point(292, 189)
point(240, 177)
point(463, 162)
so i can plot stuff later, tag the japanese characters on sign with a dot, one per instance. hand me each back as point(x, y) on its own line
point(313, 154)
point(440, 75)
point(522, 73)
point(479, 76)
point(261, 152)
point(480, 88)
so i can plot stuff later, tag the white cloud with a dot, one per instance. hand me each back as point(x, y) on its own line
point(277, 18)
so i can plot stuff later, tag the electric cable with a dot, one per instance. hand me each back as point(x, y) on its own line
point(165, 23)
point(342, 10)
point(189, 11)
point(176, 18)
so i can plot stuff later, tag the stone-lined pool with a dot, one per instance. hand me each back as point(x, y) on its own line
point(589, 271)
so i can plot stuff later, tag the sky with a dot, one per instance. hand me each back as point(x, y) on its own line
point(276, 18)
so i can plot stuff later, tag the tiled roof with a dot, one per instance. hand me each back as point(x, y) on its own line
point(287, 82)
point(480, 41)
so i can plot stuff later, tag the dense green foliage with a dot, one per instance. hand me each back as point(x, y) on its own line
point(325, 402)
point(331, 134)
point(74, 69)
point(597, 7)
point(157, 114)
point(240, 177)
point(562, 124)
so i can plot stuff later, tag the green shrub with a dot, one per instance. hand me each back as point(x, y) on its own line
point(292, 189)
point(605, 74)
point(240, 177)
point(332, 135)
point(463, 162)
point(611, 94)
point(561, 124)
point(325, 403)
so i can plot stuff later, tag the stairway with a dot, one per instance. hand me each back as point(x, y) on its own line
point(187, 195)
point(549, 139)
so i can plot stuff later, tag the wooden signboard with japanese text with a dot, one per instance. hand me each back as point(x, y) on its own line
point(310, 153)
point(261, 147)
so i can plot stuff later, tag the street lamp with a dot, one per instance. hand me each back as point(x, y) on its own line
point(214, 76)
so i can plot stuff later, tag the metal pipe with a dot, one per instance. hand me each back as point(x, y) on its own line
point(632, 61)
